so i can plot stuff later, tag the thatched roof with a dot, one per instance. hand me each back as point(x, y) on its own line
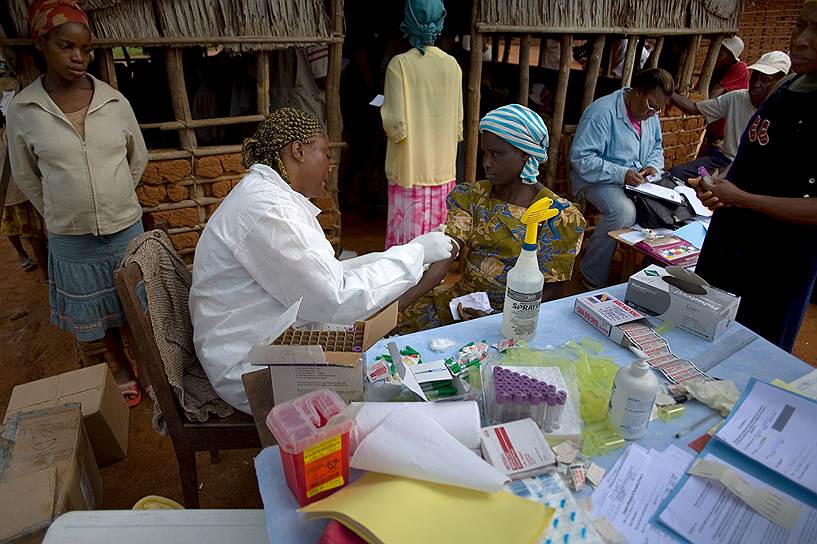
point(637, 14)
point(136, 20)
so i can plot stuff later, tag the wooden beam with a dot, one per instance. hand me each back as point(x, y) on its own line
point(591, 74)
point(178, 94)
point(565, 59)
point(486, 28)
point(202, 123)
point(689, 64)
point(543, 50)
point(107, 68)
point(333, 114)
point(629, 61)
point(709, 65)
point(524, 68)
point(472, 107)
point(262, 82)
point(495, 48)
point(184, 41)
point(652, 62)
point(506, 51)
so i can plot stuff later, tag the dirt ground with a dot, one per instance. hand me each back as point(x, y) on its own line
point(32, 349)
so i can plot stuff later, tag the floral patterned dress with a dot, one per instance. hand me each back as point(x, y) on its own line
point(492, 232)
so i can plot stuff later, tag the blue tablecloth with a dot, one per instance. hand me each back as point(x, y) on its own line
point(557, 325)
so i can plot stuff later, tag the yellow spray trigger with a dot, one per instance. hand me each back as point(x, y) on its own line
point(539, 211)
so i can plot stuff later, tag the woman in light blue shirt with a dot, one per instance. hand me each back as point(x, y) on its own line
point(617, 142)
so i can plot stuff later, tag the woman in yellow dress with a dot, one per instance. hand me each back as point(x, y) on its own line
point(485, 220)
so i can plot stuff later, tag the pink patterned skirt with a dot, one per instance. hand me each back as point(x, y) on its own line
point(415, 211)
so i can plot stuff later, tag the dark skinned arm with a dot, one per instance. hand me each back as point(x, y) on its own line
point(552, 291)
point(717, 91)
point(690, 107)
point(725, 193)
point(432, 278)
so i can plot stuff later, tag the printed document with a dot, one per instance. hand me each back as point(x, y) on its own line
point(704, 511)
point(777, 429)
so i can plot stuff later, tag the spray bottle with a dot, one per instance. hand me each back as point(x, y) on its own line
point(632, 399)
point(523, 290)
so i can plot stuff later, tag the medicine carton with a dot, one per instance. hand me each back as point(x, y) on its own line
point(517, 449)
point(605, 313)
point(313, 439)
point(697, 308)
point(301, 360)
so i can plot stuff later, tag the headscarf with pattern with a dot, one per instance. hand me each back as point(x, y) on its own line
point(281, 127)
point(423, 22)
point(524, 129)
point(46, 15)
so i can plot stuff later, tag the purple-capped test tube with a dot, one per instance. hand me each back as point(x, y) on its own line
point(520, 401)
point(561, 399)
point(550, 413)
point(537, 408)
point(503, 405)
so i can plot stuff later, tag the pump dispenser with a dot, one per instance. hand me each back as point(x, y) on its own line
point(632, 399)
point(523, 290)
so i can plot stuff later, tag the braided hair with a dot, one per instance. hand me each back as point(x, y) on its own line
point(281, 127)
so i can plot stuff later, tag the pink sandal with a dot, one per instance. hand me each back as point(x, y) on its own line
point(132, 393)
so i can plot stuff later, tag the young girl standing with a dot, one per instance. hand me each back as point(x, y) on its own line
point(77, 153)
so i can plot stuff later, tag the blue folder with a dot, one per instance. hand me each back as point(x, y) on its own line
point(744, 463)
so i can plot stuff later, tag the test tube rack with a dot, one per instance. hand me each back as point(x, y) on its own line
point(514, 396)
point(346, 340)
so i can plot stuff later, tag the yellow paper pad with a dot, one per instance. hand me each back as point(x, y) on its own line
point(393, 510)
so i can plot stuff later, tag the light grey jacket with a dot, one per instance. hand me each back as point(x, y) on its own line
point(78, 186)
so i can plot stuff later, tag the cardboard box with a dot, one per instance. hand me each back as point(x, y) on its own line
point(298, 362)
point(694, 307)
point(605, 312)
point(104, 409)
point(48, 469)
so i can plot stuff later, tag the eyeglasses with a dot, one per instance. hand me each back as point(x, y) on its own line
point(650, 109)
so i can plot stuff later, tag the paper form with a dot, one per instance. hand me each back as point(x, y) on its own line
point(696, 203)
point(806, 385)
point(704, 511)
point(776, 428)
point(657, 191)
point(630, 493)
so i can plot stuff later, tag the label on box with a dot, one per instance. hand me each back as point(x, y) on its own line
point(323, 466)
point(516, 447)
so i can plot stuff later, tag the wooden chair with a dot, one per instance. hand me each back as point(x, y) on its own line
point(234, 432)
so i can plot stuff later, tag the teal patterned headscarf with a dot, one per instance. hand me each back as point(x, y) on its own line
point(423, 22)
point(524, 129)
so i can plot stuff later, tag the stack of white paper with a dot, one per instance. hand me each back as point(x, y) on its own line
point(630, 493)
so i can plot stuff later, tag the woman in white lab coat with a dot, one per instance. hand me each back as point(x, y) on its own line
point(263, 249)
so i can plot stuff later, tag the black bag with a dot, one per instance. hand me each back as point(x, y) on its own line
point(652, 212)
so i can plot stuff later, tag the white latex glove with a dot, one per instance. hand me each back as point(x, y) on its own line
point(436, 246)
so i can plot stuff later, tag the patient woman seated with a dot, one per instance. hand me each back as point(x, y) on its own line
point(484, 218)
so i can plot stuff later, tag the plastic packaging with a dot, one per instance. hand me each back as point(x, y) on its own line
point(523, 291)
point(632, 399)
point(313, 435)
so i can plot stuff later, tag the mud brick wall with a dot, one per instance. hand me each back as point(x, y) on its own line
point(184, 193)
point(766, 25)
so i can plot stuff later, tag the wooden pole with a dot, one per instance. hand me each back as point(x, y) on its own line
point(709, 65)
point(689, 65)
point(262, 82)
point(472, 107)
point(494, 47)
point(333, 75)
point(518, 29)
point(178, 94)
point(652, 62)
point(591, 74)
point(543, 50)
point(629, 61)
point(183, 41)
point(524, 68)
point(107, 68)
point(506, 51)
point(565, 59)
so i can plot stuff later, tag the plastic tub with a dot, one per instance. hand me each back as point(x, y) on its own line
point(314, 443)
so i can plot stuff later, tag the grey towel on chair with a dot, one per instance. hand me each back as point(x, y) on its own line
point(167, 285)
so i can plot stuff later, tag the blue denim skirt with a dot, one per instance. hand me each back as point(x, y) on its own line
point(81, 289)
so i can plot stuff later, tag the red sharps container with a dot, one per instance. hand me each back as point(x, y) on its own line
point(314, 442)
